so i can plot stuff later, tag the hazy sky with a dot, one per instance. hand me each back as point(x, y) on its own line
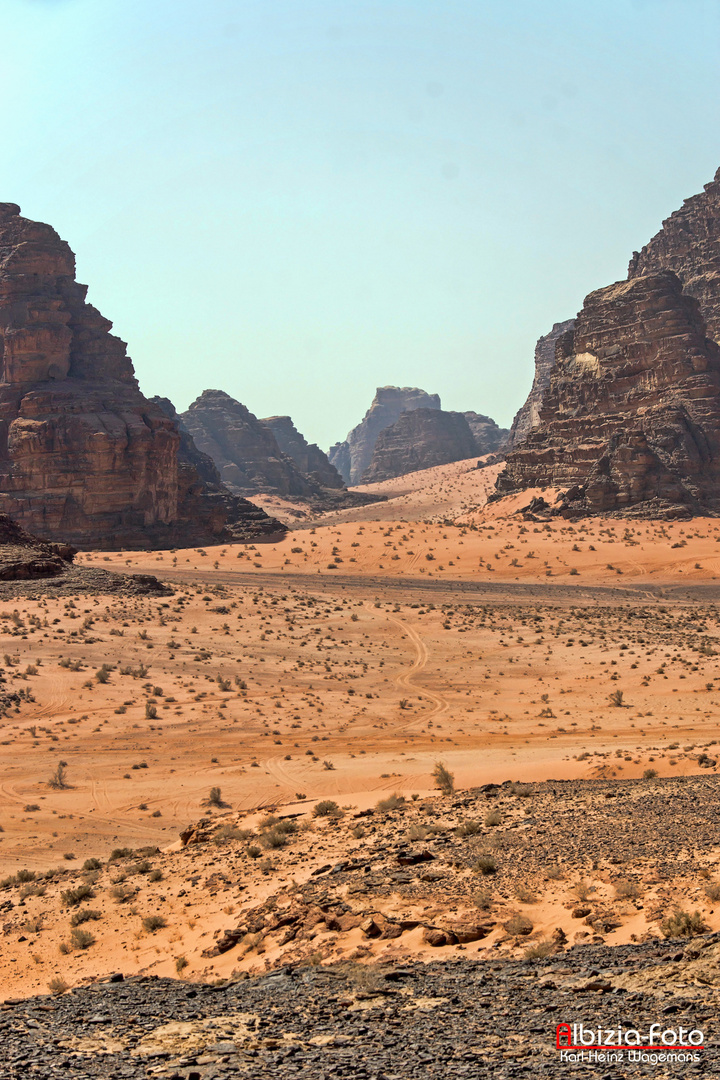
point(299, 200)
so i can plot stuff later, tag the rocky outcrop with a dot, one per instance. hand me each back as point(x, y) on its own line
point(420, 439)
point(353, 456)
point(84, 457)
point(245, 450)
point(309, 458)
point(24, 557)
point(489, 438)
point(202, 492)
point(631, 417)
point(527, 417)
point(689, 244)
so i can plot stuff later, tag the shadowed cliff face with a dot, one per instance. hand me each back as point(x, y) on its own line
point(689, 244)
point(309, 458)
point(243, 448)
point(352, 457)
point(84, 457)
point(631, 416)
point(420, 439)
point(527, 417)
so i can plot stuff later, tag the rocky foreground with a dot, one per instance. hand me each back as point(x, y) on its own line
point(459, 1018)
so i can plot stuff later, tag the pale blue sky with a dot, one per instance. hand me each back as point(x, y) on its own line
point(298, 200)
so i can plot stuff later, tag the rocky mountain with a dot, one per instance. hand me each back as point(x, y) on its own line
point(689, 244)
point(420, 439)
point(352, 457)
point(245, 453)
point(527, 417)
point(489, 438)
point(84, 457)
point(309, 458)
point(244, 449)
point(631, 416)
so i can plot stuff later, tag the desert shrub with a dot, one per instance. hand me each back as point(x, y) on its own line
point(468, 828)
point(616, 698)
point(650, 774)
point(58, 780)
point(443, 779)
point(493, 817)
point(392, 802)
point(627, 890)
point(81, 939)
point(540, 949)
point(24, 875)
point(525, 894)
point(518, 925)
point(254, 851)
point(151, 923)
point(582, 889)
point(214, 798)
point(683, 924)
point(85, 915)
point(92, 864)
point(417, 832)
point(485, 865)
point(180, 964)
point(73, 897)
point(155, 875)
point(121, 893)
point(482, 900)
point(713, 891)
point(31, 808)
point(57, 985)
point(326, 808)
point(120, 853)
point(273, 838)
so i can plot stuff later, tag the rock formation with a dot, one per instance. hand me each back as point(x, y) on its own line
point(631, 417)
point(419, 440)
point(243, 448)
point(689, 244)
point(352, 457)
point(84, 457)
point(489, 438)
point(527, 417)
point(24, 557)
point(309, 458)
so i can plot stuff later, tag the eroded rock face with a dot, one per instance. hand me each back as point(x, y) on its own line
point(352, 457)
point(689, 244)
point(631, 416)
point(420, 439)
point(84, 457)
point(244, 449)
point(309, 458)
point(489, 438)
point(527, 417)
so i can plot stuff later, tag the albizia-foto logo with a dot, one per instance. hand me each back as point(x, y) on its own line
point(582, 1036)
point(584, 1042)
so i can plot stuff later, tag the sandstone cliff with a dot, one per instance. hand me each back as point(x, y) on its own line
point(352, 457)
point(84, 457)
point(527, 417)
point(419, 440)
point(309, 458)
point(689, 244)
point(244, 449)
point(489, 438)
point(631, 416)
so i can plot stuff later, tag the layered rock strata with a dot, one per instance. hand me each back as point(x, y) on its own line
point(489, 438)
point(527, 417)
point(309, 458)
point(353, 456)
point(420, 439)
point(631, 416)
point(84, 457)
point(689, 244)
point(244, 449)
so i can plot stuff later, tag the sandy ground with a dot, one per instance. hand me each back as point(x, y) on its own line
point(343, 662)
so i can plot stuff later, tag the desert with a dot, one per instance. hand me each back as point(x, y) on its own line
point(359, 542)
